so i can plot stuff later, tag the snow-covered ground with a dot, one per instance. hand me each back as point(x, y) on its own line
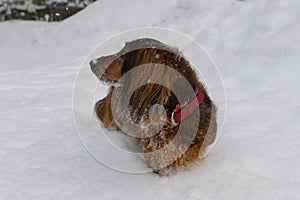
point(255, 43)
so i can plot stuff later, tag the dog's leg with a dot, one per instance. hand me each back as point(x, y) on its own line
point(190, 157)
point(104, 113)
point(100, 109)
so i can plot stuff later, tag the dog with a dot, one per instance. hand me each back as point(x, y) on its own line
point(171, 117)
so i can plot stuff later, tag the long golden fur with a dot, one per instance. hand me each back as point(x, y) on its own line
point(148, 52)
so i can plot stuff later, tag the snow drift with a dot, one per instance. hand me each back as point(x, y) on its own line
point(256, 45)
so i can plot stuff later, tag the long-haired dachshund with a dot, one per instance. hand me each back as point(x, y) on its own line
point(168, 110)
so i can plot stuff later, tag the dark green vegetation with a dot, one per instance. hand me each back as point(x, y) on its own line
point(43, 10)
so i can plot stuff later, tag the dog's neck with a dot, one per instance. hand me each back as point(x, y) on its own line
point(185, 109)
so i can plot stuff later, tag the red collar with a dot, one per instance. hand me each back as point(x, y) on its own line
point(181, 112)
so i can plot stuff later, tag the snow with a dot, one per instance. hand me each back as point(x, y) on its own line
point(255, 44)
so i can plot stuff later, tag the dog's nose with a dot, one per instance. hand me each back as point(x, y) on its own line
point(93, 64)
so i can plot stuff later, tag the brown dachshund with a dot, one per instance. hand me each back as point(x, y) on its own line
point(182, 121)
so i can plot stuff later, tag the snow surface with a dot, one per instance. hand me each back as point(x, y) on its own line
point(255, 43)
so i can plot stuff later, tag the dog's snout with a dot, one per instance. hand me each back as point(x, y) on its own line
point(107, 68)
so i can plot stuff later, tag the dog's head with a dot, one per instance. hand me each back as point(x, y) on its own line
point(109, 69)
point(146, 53)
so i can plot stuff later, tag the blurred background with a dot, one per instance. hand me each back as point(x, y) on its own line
point(42, 10)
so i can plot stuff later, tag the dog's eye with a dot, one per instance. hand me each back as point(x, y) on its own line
point(126, 46)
